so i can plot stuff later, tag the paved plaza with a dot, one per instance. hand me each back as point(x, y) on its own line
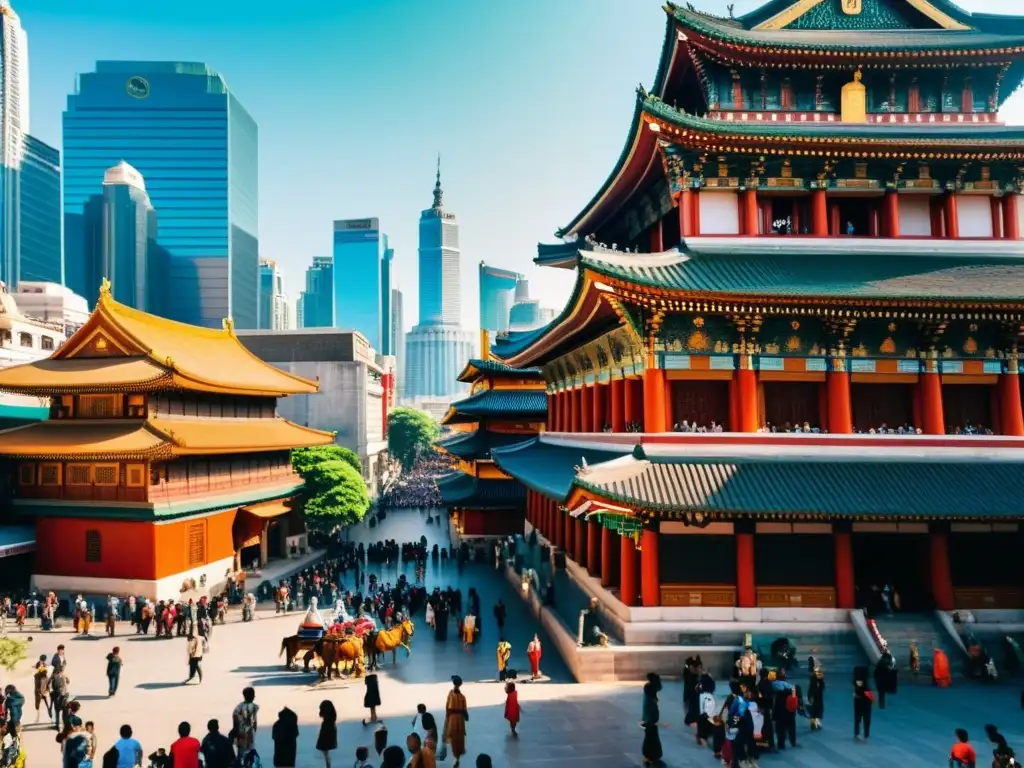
point(564, 724)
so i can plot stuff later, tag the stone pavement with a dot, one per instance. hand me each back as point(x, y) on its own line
point(564, 724)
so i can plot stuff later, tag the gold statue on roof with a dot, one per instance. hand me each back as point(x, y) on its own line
point(105, 288)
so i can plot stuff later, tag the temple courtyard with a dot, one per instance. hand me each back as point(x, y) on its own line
point(564, 723)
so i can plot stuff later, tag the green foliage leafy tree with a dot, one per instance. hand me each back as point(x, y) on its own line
point(335, 490)
point(411, 434)
point(304, 459)
point(12, 651)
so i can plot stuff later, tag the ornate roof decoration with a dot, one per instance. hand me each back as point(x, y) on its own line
point(479, 369)
point(518, 404)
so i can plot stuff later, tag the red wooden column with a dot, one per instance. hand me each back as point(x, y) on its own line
point(565, 530)
point(576, 420)
point(1011, 222)
point(746, 591)
point(891, 214)
point(609, 558)
point(657, 244)
point(746, 395)
point(686, 222)
point(819, 213)
point(587, 408)
point(931, 397)
point(555, 533)
point(654, 401)
point(565, 409)
point(997, 217)
point(600, 396)
point(617, 406)
point(951, 216)
point(942, 582)
point(549, 421)
point(1009, 399)
point(843, 541)
point(840, 411)
point(650, 575)
point(750, 223)
point(627, 566)
point(579, 539)
point(593, 548)
point(634, 402)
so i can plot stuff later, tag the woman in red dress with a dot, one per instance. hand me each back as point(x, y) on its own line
point(512, 710)
point(533, 653)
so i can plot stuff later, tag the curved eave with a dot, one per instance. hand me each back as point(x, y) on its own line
point(670, 58)
point(638, 159)
point(558, 255)
point(491, 369)
point(191, 383)
point(157, 453)
point(159, 383)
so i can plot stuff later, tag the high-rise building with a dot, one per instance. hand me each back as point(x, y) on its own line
point(440, 289)
point(120, 228)
point(273, 304)
point(42, 252)
point(398, 336)
point(196, 146)
point(14, 126)
point(496, 288)
point(318, 298)
point(300, 303)
point(54, 303)
point(527, 314)
point(359, 248)
point(387, 285)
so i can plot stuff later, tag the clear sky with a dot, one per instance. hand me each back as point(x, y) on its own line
point(528, 102)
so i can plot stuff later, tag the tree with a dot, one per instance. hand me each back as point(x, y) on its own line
point(335, 494)
point(411, 434)
point(12, 651)
point(305, 458)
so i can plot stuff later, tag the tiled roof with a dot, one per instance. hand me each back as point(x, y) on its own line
point(546, 468)
point(477, 445)
point(557, 254)
point(529, 405)
point(98, 374)
point(461, 490)
point(476, 369)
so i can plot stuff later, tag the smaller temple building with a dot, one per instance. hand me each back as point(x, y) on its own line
point(163, 460)
point(505, 406)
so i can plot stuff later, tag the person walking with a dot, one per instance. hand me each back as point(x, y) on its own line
point(114, 664)
point(456, 715)
point(504, 653)
point(651, 750)
point(962, 755)
point(816, 698)
point(533, 653)
point(427, 723)
point(512, 710)
point(327, 739)
point(422, 754)
point(195, 658)
point(285, 734)
point(371, 699)
point(59, 691)
point(244, 723)
point(40, 684)
point(863, 699)
point(499, 617)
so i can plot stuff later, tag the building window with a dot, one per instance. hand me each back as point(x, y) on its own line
point(197, 544)
point(46, 342)
point(27, 474)
point(105, 474)
point(49, 474)
point(93, 547)
point(25, 339)
point(135, 475)
point(79, 474)
point(99, 406)
point(136, 406)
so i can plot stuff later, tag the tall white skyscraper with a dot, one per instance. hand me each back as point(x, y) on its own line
point(440, 289)
point(13, 128)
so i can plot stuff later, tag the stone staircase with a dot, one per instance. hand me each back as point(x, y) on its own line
point(901, 630)
point(836, 652)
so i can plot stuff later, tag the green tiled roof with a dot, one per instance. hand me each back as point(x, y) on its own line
point(546, 468)
point(528, 405)
point(879, 276)
point(461, 490)
point(477, 445)
point(496, 369)
point(933, 488)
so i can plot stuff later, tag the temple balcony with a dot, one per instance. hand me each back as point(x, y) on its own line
point(873, 118)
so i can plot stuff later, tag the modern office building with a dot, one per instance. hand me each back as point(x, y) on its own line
point(316, 308)
point(387, 285)
point(527, 314)
point(432, 354)
point(14, 126)
point(359, 248)
point(398, 337)
point(53, 303)
point(496, 292)
point(41, 258)
point(180, 126)
point(273, 304)
point(300, 302)
point(440, 271)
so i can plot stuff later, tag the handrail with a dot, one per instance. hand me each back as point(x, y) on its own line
point(868, 635)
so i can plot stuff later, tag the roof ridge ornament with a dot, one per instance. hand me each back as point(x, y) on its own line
point(229, 325)
point(105, 289)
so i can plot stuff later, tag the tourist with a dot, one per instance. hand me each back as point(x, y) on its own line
point(244, 722)
point(114, 664)
point(362, 756)
point(160, 759)
point(371, 699)
point(380, 739)
point(512, 710)
point(90, 731)
point(534, 651)
point(185, 751)
point(59, 692)
point(499, 616)
point(885, 676)
point(784, 707)
point(59, 659)
point(75, 745)
point(394, 757)
point(504, 653)
point(422, 756)
point(863, 699)
point(195, 658)
point(456, 715)
point(129, 750)
point(14, 705)
point(40, 679)
point(706, 707)
point(427, 722)
point(940, 669)
point(651, 749)
point(216, 748)
point(285, 734)
point(816, 698)
point(962, 755)
point(483, 761)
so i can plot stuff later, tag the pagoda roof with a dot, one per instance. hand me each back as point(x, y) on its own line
point(152, 353)
point(128, 439)
point(458, 489)
point(495, 369)
point(549, 468)
point(477, 445)
point(519, 404)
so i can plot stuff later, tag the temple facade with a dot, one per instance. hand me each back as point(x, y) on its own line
point(163, 460)
point(788, 371)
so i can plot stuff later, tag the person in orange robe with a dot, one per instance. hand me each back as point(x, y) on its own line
point(940, 669)
point(533, 653)
point(512, 707)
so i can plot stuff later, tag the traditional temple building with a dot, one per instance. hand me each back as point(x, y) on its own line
point(809, 251)
point(162, 461)
point(505, 406)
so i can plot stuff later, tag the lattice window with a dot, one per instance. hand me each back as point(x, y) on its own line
point(135, 475)
point(105, 474)
point(49, 474)
point(196, 544)
point(26, 474)
point(25, 339)
point(46, 342)
point(93, 547)
point(99, 406)
point(79, 474)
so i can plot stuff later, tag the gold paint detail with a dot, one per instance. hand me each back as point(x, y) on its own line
point(860, 351)
point(971, 346)
point(793, 344)
point(943, 20)
point(788, 16)
point(698, 341)
point(854, 100)
point(852, 7)
point(888, 347)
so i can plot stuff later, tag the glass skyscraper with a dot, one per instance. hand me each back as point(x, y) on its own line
point(496, 288)
point(274, 308)
point(196, 146)
point(317, 310)
point(398, 337)
point(440, 289)
point(359, 249)
point(14, 127)
point(387, 284)
point(41, 248)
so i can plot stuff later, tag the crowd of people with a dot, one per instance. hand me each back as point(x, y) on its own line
point(417, 487)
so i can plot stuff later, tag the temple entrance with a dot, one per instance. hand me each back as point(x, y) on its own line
point(855, 216)
point(882, 405)
point(791, 404)
point(968, 407)
point(700, 403)
point(788, 215)
point(898, 559)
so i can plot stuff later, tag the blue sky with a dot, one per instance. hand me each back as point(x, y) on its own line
point(528, 102)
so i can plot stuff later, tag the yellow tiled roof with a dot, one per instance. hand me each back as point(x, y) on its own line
point(205, 436)
point(98, 374)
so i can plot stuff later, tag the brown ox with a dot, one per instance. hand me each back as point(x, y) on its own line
point(337, 652)
point(295, 645)
point(379, 643)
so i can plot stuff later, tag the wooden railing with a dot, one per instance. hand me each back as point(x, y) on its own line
point(694, 595)
point(796, 597)
point(988, 597)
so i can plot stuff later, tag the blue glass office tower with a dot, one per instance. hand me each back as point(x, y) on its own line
point(41, 257)
point(318, 298)
point(387, 286)
point(496, 288)
point(196, 146)
point(359, 250)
